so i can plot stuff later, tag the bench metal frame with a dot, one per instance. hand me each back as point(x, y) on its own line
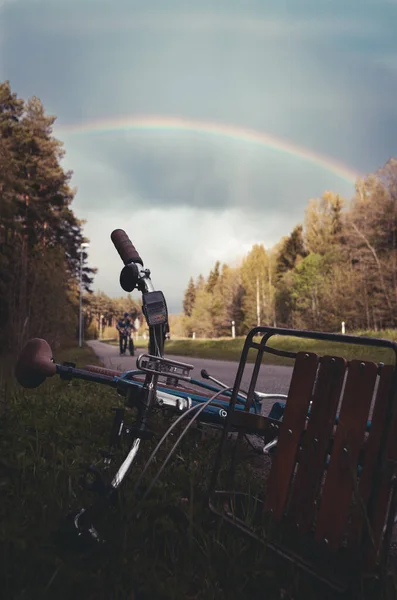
point(330, 495)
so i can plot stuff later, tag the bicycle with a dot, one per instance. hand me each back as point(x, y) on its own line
point(143, 391)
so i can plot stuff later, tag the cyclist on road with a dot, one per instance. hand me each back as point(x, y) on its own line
point(125, 327)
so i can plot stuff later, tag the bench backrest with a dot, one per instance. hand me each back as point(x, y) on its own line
point(330, 476)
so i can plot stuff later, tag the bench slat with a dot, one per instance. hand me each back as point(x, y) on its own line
point(315, 442)
point(377, 519)
point(349, 437)
point(294, 418)
point(371, 454)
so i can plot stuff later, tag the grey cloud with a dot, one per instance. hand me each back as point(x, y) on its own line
point(180, 243)
point(297, 18)
point(301, 90)
point(242, 83)
point(133, 173)
point(318, 74)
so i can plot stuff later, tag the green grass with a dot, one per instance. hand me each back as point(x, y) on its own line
point(230, 349)
point(175, 550)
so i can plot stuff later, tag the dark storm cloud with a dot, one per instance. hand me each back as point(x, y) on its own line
point(301, 77)
point(320, 74)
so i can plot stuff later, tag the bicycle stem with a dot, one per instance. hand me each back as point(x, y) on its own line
point(86, 516)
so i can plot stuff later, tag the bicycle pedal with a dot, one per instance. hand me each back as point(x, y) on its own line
point(97, 484)
point(69, 538)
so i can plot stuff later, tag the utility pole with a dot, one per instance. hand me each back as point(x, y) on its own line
point(82, 246)
point(271, 296)
point(100, 326)
point(258, 308)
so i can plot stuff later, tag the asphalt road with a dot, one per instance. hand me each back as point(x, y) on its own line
point(272, 378)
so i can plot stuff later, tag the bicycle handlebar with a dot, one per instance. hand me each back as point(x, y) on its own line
point(103, 371)
point(125, 247)
point(36, 363)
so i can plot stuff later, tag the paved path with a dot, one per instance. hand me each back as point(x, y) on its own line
point(272, 378)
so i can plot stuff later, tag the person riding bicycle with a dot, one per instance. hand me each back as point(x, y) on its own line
point(125, 327)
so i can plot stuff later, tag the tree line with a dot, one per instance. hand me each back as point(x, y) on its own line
point(40, 236)
point(338, 265)
point(102, 312)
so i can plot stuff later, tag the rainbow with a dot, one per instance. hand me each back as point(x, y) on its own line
point(160, 124)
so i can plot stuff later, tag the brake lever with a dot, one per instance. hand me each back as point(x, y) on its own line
point(206, 375)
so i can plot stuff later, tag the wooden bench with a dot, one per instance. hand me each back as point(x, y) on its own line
point(329, 501)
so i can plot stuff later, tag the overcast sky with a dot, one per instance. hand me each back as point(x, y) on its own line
point(318, 74)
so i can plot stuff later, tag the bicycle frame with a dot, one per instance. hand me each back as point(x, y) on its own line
point(171, 399)
point(142, 395)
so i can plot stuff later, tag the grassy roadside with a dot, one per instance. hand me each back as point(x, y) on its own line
point(230, 349)
point(174, 551)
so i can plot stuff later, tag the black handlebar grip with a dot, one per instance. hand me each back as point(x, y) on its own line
point(125, 247)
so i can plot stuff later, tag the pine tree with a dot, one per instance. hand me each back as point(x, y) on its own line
point(40, 236)
point(189, 298)
point(291, 251)
point(323, 223)
point(213, 278)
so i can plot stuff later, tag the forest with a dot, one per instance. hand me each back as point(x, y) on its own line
point(40, 236)
point(338, 265)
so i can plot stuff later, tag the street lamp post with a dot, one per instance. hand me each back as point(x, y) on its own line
point(82, 246)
